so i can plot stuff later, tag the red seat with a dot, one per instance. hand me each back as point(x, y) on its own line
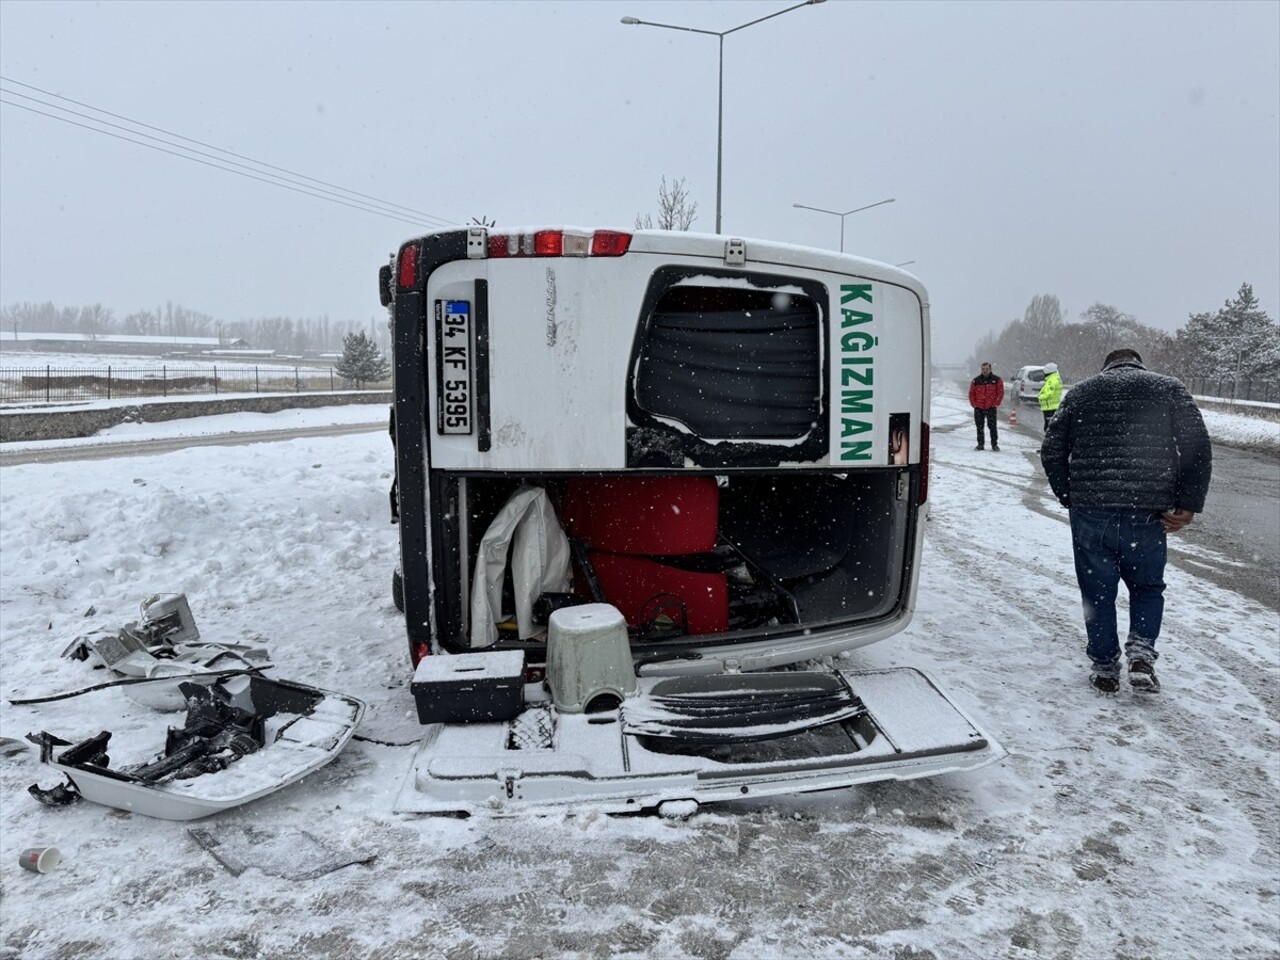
point(662, 516)
point(642, 589)
point(625, 521)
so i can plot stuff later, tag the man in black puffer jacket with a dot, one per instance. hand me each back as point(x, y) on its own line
point(1129, 456)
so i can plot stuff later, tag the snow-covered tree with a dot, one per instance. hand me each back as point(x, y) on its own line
point(1239, 341)
point(362, 362)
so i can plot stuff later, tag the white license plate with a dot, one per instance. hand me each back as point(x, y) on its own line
point(455, 378)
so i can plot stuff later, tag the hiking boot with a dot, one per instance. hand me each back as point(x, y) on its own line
point(979, 447)
point(995, 446)
point(1105, 684)
point(1142, 676)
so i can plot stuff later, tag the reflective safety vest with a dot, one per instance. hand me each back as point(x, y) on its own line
point(1051, 392)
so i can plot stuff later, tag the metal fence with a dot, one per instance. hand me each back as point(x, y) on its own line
point(1226, 389)
point(88, 383)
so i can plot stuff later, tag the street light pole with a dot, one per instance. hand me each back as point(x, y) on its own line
point(837, 213)
point(720, 135)
point(721, 34)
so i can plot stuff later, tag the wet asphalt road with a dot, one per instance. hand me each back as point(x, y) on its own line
point(136, 448)
point(1242, 518)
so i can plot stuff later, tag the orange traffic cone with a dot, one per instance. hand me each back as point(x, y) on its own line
point(1013, 417)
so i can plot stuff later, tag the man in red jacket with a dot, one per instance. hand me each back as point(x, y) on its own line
point(986, 393)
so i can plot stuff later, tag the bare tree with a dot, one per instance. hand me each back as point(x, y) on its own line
point(1043, 313)
point(1110, 325)
point(95, 320)
point(139, 323)
point(675, 210)
point(10, 315)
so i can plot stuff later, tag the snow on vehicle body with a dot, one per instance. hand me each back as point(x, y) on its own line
point(732, 434)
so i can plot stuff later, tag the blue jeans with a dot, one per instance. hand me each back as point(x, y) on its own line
point(1110, 545)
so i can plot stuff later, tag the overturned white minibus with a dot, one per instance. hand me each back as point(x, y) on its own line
point(646, 483)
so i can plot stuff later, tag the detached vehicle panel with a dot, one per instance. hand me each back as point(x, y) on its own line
point(724, 440)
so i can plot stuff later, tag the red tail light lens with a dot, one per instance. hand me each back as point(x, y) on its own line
point(407, 275)
point(924, 462)
point(418, 649)
point(610, 243)
point(548, 243)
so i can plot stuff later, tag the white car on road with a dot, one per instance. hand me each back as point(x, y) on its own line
point(1026, 383)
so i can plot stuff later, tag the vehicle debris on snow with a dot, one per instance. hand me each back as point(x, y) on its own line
point(245, 735)
point(163, 642)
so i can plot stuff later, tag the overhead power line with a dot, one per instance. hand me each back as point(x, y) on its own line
point(151, 146)
point(286, 178)
point(218, 162)
point(230, 153)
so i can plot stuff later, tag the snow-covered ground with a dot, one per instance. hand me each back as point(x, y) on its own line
point(1117, 827)
point(1241, 430)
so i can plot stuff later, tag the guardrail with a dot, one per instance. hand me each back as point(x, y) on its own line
point(1226, 389)
point(51, 384)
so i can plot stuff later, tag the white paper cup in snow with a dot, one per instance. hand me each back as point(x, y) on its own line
point(40, 859)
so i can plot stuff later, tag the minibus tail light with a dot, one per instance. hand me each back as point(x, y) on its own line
point(407, 275)
point(548, 243)
point(609, 243)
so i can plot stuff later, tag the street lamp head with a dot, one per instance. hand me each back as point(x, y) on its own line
point(720, 34)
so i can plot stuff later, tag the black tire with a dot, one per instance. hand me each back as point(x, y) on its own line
point(397, 590)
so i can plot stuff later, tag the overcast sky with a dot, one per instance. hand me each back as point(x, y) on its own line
point(1127, 153)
